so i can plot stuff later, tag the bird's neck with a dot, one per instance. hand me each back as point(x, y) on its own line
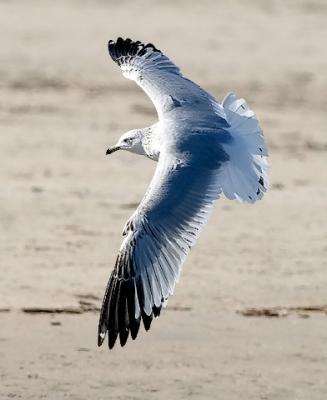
point(150, 143)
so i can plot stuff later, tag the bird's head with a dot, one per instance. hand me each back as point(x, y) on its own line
point(130, 141)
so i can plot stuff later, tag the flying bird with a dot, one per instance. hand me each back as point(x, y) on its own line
point(203, 149)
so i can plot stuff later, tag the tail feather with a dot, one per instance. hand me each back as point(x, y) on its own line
point(245, 176)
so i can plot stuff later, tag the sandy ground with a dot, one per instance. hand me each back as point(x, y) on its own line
point(63, 203)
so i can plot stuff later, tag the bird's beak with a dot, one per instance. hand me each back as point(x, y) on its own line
point(112, 149)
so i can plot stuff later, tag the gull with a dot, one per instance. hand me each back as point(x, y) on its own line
point(203, 149)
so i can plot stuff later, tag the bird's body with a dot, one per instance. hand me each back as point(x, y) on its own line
point(203, 148)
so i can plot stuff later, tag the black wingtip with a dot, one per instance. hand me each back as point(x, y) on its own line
point(112, 337)
point(156, 311)
point(124, 303)
point(128, 47)
point(134, 328)
point(101, 337)
point(147, 319)
point(123, 336)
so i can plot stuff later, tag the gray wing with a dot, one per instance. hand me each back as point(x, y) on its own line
point(160, 78)
point(159, 236)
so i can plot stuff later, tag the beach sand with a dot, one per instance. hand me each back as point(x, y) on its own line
point(64, 203)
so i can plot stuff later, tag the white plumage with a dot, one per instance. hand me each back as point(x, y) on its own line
point(203, 149)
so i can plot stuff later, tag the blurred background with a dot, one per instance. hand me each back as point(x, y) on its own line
point(63, 204)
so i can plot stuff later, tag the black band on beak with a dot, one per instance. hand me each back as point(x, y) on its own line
point(112, 150)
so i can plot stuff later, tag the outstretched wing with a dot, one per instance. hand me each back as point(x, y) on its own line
point(160, 78)
point(159, 236)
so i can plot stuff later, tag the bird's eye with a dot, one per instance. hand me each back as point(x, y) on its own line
point(128, 141)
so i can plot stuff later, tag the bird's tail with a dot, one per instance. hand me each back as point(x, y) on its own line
point(245, 174)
